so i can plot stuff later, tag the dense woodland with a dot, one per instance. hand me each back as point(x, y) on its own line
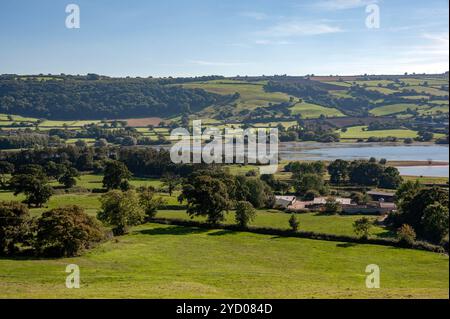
point(100, 98)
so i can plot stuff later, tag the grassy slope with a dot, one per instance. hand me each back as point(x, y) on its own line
point(175, 262)
point(428, 90)
point(435, 109)
point(356, 132)
point(252, 95)
point(396, 108)
point(382, 90)
point(310, 111)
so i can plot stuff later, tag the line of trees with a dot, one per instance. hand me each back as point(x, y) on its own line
point(139, 161)
point(365, 173)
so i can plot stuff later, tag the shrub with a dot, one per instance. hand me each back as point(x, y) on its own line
point(65, 232)
point(294, 223)
point(362, 227)
point(245, 213)
point(406, 234)
point(332, 207)
point(15, 225)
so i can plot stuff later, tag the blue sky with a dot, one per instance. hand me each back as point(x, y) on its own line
point(227, 37)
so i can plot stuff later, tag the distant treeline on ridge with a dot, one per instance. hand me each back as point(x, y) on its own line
point(95, 97)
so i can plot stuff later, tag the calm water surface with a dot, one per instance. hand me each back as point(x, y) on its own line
point(296, 151)
point(389, 151)
point(352, 151)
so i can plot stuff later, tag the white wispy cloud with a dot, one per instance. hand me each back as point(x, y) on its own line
point(342, 4)
point(298, 29)
point(437, 47)
point(429, 57)
point(438, 39)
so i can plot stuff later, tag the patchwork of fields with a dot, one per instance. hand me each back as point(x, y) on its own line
point(161, 261)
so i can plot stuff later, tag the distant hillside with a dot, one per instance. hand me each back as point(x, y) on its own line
point(238, 99)
point(74, 98)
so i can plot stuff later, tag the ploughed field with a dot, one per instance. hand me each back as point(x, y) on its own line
point(160, 261)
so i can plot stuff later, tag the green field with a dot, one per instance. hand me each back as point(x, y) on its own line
point(439, 102)
point(396, 108)
point(285, 124)
point(252, 95)
point(157, 261)
point(428, 90)
point(53, 124)
point(91, 182)
point(359, 132)
point(310, 111)
point(427, 179)
point(435, 110)
point(382, 90)
point(325, 224)
point(431, 81)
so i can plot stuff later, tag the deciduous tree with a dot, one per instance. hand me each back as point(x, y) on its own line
point(121, 210)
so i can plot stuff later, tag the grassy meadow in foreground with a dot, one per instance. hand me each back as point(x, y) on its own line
point(159, 261)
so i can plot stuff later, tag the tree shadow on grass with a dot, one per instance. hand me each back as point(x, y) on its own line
point(28, 255)
point(176, 230)
point(278, 237)
point(223, 233)
point(387, 234)
point(346, 245)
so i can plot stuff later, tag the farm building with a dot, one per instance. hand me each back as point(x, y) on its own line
point(284, 201)
point(382, 196)
point(323, 201)
point(317, 203)
point(348, 207)
point(376, 208)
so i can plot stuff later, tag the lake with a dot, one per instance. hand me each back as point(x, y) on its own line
point(352, 151)
point(389, 151)
point(431, 171)
point(297, 151)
